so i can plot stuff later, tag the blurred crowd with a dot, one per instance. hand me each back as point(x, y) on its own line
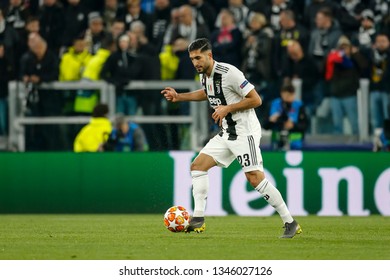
point(328, 45)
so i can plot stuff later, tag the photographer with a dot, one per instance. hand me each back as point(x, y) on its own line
point(287, 120)
point(126, 137)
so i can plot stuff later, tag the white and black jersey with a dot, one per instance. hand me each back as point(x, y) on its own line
point(228, 85)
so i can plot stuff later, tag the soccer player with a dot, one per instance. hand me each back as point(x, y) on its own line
point(233, 99)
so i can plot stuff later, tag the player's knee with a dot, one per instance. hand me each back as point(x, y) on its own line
point(202, 163)
point(254, 177)
point(196, 166)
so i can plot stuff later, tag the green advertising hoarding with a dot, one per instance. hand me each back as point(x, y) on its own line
point(320, 183)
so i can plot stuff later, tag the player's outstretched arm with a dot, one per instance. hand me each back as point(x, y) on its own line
point(171, 95)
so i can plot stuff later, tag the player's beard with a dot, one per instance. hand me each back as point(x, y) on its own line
point(204, 69)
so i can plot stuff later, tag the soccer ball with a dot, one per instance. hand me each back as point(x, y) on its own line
point(176, 219)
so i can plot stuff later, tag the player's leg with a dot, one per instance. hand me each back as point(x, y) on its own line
point(213, 154)
point(200, 182)
point(200, 188)
point(247, 151)
point(272, 195)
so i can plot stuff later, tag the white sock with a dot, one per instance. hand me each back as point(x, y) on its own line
point(274, 198)
point(200, 188)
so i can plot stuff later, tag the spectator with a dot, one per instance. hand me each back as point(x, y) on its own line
point(111, 13)
point(289, 30)
point(120, 68)
point(169, 62)
point(149, 100)
point(187, 27)
point(143, 45)
point(74, 61)
point(365, 37)
point(313, 8)
point(379, 81)
point(240, 13)
point(133, 13)
point(32, 26)
point(227, 40)
point(117, 28)
point(76, 22)
point(17, 15)
point(257, 55)
point(323, 38)
point(94, 135)
point(287, 120)
point(173, 24)
point(10, 41)
point(298, 65)
point(38, 65)
point(139, 45)
point(161, 18)
point(72, 65)
point(126, 137)
point(274, 14)
point(343, 69)
point(94, 67)
point(95, 34)
point(86, 100)
point(5, 76)
point(204, 13)
point(349, 16)
point(52, 23)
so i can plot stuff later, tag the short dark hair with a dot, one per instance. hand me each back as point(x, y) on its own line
point(100, 111)
point(327, 12)
point(381, 33)
point(289, 14)
point(288, 88)
point(201, 44)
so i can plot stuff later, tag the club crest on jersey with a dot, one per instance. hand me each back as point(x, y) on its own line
point(218, 86)
point(244, 83)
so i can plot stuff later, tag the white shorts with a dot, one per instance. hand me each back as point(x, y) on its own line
point(246, 149)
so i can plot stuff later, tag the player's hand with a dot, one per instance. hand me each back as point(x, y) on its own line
point(220, 112)
point(170, 94)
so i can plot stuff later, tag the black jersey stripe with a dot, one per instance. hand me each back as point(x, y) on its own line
point(221, 68)
point(218, 90)
point(204, 83)
point(252, 149)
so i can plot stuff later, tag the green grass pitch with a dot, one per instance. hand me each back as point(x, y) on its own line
point(144, 237)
